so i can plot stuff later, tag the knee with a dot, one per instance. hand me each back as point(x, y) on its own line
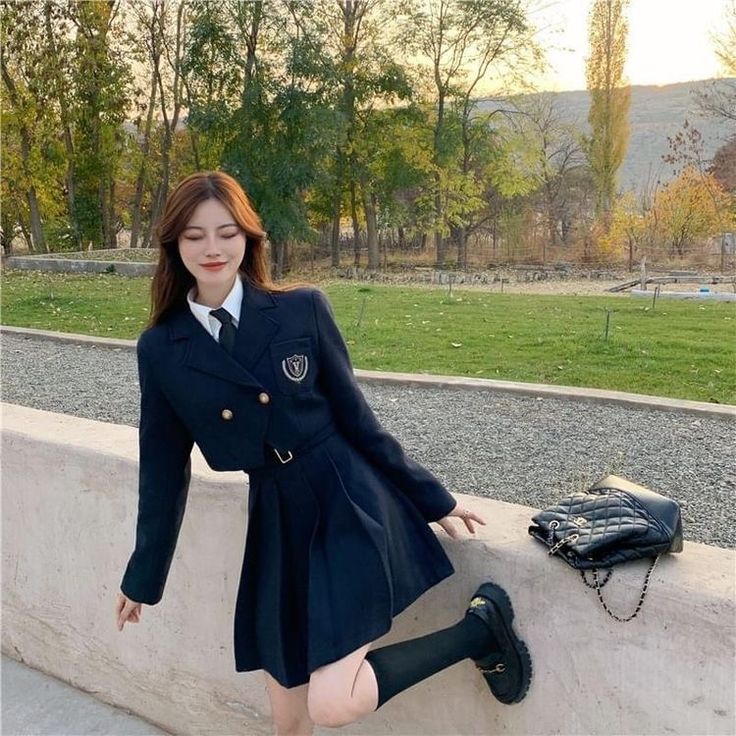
point(329, 711)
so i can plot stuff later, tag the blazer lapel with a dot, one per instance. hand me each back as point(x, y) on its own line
point(259, 325)
point(255, 330)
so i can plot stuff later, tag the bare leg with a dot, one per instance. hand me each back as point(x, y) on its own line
point(289, 709)
point(341, 692)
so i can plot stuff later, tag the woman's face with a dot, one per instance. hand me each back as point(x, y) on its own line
point(212, 244)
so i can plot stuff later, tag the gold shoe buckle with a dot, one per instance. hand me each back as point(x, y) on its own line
point(500, 667)
point(278, 455)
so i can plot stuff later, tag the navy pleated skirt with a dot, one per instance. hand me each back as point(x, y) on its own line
point(334, 550)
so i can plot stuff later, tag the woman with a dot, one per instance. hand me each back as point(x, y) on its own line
point(338, 539)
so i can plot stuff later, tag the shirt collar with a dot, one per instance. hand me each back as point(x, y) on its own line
point(232, 303)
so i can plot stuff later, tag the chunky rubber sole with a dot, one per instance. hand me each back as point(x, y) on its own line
point(499, 598)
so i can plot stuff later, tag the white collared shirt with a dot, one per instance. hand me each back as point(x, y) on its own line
point(202, 311)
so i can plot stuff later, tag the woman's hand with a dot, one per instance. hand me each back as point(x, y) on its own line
point(467, 516)
point(126, 611)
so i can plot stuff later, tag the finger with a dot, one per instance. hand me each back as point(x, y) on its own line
point(450, 529)
point(124, 617)
point(471, 518)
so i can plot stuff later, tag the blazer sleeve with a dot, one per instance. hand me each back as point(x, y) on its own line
point(356, 420)
point(164, 472)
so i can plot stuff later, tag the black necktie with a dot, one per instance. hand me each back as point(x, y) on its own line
point(227, 331)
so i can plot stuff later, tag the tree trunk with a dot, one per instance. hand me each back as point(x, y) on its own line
point(335, 236)
point(26, 235)
point(461, 238)
point(71, 176)
point(140, 179)
point(369, 205)
point(104, 212)
point(631, 254)
point(439, 241)
point(356, 224)
point(551, 233)
point(169, 124)
point(111, 216)
point(148, 232)
point(277, 259)
point(38, 243)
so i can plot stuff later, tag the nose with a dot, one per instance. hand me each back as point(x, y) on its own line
point(212, 247)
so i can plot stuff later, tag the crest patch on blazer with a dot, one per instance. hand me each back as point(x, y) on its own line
point(295, 367)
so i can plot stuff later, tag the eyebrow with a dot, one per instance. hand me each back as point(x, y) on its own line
point(199, 227)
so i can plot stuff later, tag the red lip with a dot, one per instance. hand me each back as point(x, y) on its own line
point(213, 266)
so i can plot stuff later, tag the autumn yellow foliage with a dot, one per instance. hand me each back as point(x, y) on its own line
point(691, 208)
point(684, 214)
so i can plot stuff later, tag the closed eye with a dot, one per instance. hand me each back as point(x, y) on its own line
point(226, 237)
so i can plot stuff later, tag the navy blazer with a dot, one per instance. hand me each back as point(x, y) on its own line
point(192, 390)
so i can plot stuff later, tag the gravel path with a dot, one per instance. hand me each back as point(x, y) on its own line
point(511, 448)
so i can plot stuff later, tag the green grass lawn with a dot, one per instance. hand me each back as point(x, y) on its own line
point(679, 349)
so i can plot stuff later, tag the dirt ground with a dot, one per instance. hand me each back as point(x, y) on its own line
point(571, 287)
point(600, 288)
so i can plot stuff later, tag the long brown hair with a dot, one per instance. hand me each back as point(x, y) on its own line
point(172, 280)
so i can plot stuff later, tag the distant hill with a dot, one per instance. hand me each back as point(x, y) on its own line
point(655, 113)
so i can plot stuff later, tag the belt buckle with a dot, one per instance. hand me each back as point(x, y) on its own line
point(278, 455)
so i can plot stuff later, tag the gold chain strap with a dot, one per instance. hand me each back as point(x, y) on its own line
point(642, 595)
point(572, 538)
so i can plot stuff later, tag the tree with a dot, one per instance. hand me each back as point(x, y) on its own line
point(146, 44)
point(557, 154)
point(27, 116)
point(360, 44)
point(629, 226)
point(60, 49)
point(463, 42)
point(609, 99)
point(101, 78)
point(691, 206)
point(686, 154)
point(284, 125)
point(212, 77)
point(723, 166)
point(719, 96)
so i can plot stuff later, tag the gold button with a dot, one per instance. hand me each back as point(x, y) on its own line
point(226, 414)
point(263, 397)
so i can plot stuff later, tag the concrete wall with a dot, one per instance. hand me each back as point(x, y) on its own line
point(69, 502)
point(76, 265)
point(713, 296)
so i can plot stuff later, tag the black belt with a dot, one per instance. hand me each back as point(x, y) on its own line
point(274, 456)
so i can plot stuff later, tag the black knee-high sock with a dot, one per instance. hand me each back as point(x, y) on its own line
point(401, 665)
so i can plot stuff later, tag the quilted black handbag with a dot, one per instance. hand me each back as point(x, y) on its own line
point(614, 521)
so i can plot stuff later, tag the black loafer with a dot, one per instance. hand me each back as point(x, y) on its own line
point(508, 671)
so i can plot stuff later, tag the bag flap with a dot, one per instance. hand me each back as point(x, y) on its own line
point(664, 510)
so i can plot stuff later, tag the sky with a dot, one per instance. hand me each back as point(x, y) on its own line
point(669, 41)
